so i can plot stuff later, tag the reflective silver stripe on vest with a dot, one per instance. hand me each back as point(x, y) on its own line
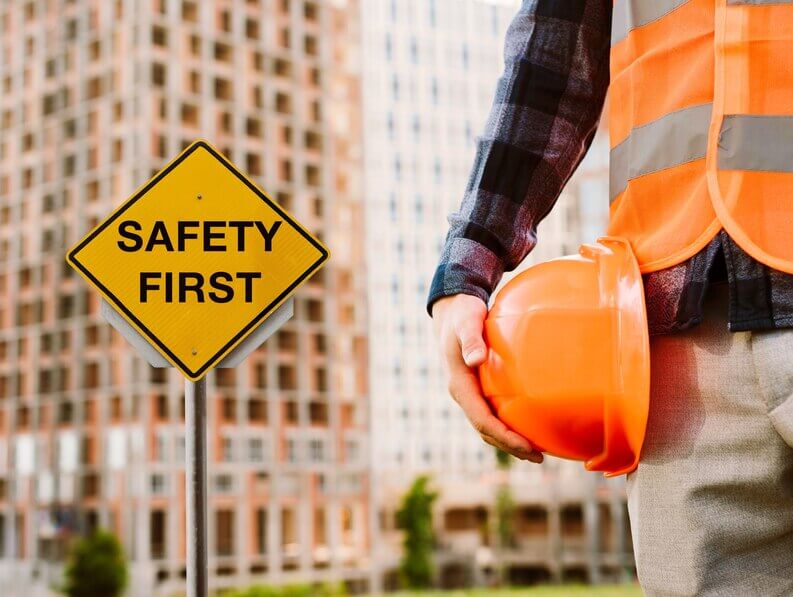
point(670, 141)
point(632, 14)
point(760, 143)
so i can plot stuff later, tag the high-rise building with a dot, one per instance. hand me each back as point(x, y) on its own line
point(95, 96)
point(430, 73)
point(430, 69)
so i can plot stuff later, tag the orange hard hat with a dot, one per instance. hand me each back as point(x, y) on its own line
point(568, 363)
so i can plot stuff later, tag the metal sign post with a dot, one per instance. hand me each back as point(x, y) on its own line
point(195, 393)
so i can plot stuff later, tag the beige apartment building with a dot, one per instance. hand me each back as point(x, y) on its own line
point(430, 71)
point(95, 95)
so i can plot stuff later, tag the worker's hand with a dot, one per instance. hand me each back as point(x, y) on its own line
point(459, 321)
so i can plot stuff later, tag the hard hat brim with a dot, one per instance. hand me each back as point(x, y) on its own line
point(625, 412)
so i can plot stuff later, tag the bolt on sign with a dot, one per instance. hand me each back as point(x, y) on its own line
point(197, 258)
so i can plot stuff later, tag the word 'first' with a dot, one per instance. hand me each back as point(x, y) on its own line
point(191, 235)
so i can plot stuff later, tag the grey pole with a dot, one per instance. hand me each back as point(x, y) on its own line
point(196, 481)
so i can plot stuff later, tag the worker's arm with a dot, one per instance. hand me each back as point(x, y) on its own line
point(544, 116)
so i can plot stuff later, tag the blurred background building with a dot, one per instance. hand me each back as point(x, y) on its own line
point(95, 95)
point(430, 72)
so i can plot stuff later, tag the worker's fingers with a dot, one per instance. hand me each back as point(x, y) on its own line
point(464, 388)
point(459, 321)
point(472, 345)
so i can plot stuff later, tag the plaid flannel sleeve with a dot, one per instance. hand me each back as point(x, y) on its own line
point(545, 113)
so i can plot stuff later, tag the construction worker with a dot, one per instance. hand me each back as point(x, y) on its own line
point(701, 185)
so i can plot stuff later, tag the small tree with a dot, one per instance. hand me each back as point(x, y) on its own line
point(503, 459)
point(504, 514)
point(415, 519)
point(505, 518)
point(96, 567)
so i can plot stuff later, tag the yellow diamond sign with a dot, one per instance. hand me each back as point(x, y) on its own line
point(197, 258)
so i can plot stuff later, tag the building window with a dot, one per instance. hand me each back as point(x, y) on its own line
point(287, 340)
point(287, 377)
point(179, 449)
point(161, 406)
point(224, 484)
point(321, 379)
point(158, 74)
point(253, 127)
point(318, 413)
point(195, 45)
point(256, 449)
point(223, 52)
point(283, 103)
point(316, 450)
point(225, 123)
point(253, 164)
point(223, 89)
point(257, 412)
point(91, 485)
point(260, 375)
point(190, 115)
point(159, 448)
point(159, 485)
point(251, 28)
point(65, 412)
point(314, 310)
point(157, 528)
point(351, 450)
point(225, 378)
point(159, 36)
point(310, 45)
point(282, 67)
point(261, 531)
point(291, 451)
point(311, 12)
point(227, 450)
point(291, 411)
point(190, 12)
point(229, 410)
point(224, 532)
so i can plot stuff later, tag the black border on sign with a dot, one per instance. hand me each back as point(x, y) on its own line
point(198, 373)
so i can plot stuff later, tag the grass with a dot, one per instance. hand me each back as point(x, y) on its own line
point(543, 591)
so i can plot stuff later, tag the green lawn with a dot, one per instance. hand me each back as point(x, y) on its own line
point(546, 591)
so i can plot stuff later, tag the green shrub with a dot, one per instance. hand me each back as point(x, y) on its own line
point(96, 567)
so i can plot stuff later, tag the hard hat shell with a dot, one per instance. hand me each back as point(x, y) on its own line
point(568, 363)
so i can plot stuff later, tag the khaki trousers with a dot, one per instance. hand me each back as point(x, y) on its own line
point(711, 503)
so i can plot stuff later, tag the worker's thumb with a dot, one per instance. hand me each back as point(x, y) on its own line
point(471, 343)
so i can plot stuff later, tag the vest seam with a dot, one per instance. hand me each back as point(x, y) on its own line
point(655, 171)
point(665, 262)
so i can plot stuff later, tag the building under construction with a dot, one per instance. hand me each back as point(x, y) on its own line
point(96, 96)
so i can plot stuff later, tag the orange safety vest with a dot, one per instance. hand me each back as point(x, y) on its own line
point(701, 125)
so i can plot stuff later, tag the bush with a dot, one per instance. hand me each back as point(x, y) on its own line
point(96, 567)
